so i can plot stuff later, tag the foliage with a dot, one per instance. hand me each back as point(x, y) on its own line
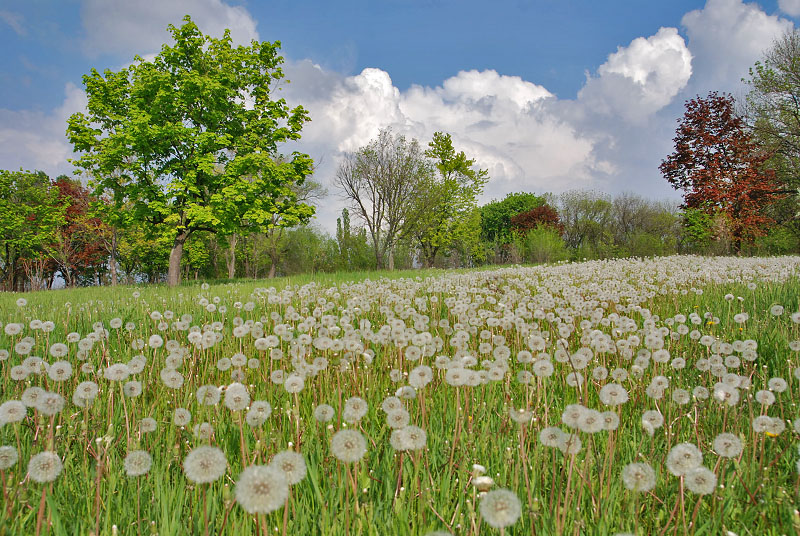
point(539, 245)
point(586, 216)
point(31, 215)
point(496, 215)
point(353, 248)
point(719, 167)
point(75, 247)
point(451, 199)
point(189, 140)
point(543, 215)
point(387, 183)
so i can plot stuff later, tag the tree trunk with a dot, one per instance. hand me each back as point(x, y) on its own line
point(271, 270)
point(230, 258)
point(175, 255)
point(391, 259)
point(113, 260)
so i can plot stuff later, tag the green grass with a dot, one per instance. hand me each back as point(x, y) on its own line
point(760, 489)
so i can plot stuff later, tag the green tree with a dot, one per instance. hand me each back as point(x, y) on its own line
point(452, 196)
point(496, 216)
point(31, 216)
point(387, 184)
point(773, 115)
point(190, 139)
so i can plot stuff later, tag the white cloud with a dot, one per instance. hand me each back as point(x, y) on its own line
point(611, 137)
point(14, 20)
point(726, 38)
point(790, 7)
point(35, 140)
point(129, 27)
point(640, 79)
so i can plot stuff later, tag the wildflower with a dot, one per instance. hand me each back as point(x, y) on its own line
point(261, 489)
point(613, 394)
point(500, 508)
point(727, 445)
point(236, 397)
point(354, 409)
point(205, 464)
point(12, 411)
point(682, 458)
point(638, 477)
point(292, 464)
point(45, 467)
point(50, 404)
point(137, 463)
point(348, 446)
point(324, 413)
point(208, 395)
point(181, 417)
point(700, 480)
point(8, 457)
point(147, 425)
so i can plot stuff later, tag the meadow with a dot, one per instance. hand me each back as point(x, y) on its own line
point(629, 396)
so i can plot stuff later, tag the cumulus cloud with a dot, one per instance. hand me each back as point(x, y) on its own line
point(640, 79)
point(790, 7)
point(726, 38)
point(610, 137)
point(130, 27)
point(510, 126)
point(35, 140)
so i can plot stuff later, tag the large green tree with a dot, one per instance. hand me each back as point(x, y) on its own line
point(31, 214)
point(190, 139)
point(451, 199)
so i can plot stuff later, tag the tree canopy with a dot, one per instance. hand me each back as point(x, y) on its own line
point(190, 140)
point(720, 168)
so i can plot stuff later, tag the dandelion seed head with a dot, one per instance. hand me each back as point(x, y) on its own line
point(44, 467)
point(500, 508)
point(205, 464)
point(261, 489)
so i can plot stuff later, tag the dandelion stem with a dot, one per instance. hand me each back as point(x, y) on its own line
point(40, 514)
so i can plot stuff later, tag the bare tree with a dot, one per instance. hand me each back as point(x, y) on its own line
point(386, 183)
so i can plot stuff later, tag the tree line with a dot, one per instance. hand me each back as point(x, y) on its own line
point(185, 169)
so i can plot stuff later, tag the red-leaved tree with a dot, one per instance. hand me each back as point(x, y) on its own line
point(720, 168)
point(75, 247)
point(542, 215)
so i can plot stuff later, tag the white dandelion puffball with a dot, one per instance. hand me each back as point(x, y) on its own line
point(45, 467)
point(8, 457)
point(137, 463)
point(236, 397)
point(324, 413)
point(700, 480)
point(682, 458)
point(500, 508)
point(261, 489)
point(354, 409)
point(292, 464)
point(727, 445)
point(638, 477)
point(348, 446)
point(147, 425)
point(12, 411)
point(205, 464)
point(208, 395)
point(181, 417)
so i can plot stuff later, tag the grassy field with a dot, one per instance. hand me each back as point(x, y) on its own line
point(512, 401)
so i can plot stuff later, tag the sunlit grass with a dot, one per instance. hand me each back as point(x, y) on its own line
point(518, 315)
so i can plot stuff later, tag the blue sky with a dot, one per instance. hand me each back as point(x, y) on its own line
point(548, 95)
